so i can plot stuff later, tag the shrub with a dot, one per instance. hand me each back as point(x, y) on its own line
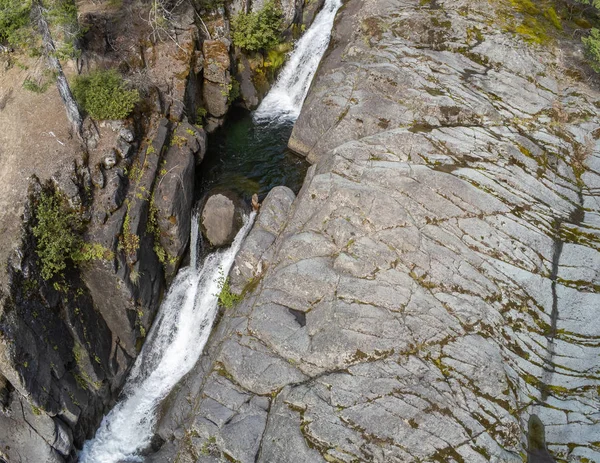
point(104, 95)
point(259, 30)
point(14, 17)
point(57, 237)
point(592, 48)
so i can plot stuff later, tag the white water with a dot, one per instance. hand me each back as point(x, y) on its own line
point(186, 316)
point(172, 348)
point(285, 99)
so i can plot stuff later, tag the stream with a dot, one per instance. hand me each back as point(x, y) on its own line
point(248, 155)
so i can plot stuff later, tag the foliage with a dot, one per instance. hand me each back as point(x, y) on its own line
point(234, 91)
point(260, 30)
point(14, 20)
point(56, 232)
point(200, 115)
point(17, 25)
point(58, 237)
point(592, 48)
point(104, 95)
point(42, 85)
point(227, 299)
point(129, 242)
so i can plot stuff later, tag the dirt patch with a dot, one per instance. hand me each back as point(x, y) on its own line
point(34, 139)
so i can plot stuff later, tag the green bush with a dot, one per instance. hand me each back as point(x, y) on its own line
point(56, 232)
point(104, 95)
point(14, 17)
point(260, 30)
point(592, 48)
point(227, 298)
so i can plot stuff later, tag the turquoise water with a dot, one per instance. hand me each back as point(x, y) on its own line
point(250, 157)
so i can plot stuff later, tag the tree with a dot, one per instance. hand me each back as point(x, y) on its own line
point(260, 30)
point(592, 41)
point(37, 26)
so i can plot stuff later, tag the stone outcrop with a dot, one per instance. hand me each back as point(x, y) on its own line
point(435, 283)
point(173, 197)
point(67, 344)
point(217, 78)
point(221, 219)
point(257, 250)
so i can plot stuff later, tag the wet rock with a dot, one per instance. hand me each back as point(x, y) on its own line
point(255, 255)
point(221, 219)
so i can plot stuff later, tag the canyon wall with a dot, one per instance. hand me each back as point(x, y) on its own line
point(435, 283)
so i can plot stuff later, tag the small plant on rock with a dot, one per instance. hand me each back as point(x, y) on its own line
point(227, 298)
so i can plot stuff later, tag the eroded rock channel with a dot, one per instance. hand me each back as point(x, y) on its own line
point(430, 294)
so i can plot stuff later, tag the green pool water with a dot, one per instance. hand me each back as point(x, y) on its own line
point(250, 157)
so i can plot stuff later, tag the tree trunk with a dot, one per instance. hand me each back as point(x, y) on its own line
point(73, 113)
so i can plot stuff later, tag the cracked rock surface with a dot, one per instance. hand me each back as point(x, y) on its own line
point(437, 280)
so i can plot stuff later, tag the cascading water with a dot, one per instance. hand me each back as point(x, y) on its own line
point(250, 154)
point(285, 99)
point(185, 318)
point(172, 348)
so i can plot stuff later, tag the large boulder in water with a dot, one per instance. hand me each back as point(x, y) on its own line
point(221, 219)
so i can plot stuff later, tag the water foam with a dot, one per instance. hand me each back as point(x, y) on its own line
point(172, 348)
point(284, 100)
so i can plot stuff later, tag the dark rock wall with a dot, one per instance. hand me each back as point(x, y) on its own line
point(66, 345)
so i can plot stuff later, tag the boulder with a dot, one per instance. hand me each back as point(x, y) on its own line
point(216, 61)
point(217, 78)
point(221, 219)
point(215, 98)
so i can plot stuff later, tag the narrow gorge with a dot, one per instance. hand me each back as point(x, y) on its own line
point(365, 231)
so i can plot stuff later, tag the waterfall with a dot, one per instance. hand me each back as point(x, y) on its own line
point(172, 348)
point(186, 316)
point(284, 100)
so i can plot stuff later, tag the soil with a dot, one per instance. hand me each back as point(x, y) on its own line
point(34, 138)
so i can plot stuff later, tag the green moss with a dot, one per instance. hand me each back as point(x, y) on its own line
point(178, 141)
point(532, 31)
point(129, 242)
point(553, 17)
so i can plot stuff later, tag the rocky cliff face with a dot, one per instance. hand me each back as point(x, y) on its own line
point(435, 283)
point(67, 344)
